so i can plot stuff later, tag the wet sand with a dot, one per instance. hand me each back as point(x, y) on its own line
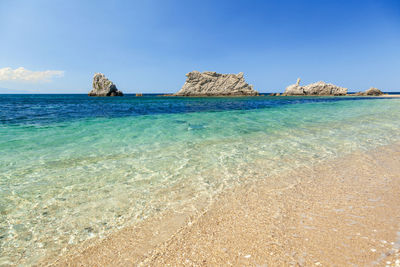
point(340, 213)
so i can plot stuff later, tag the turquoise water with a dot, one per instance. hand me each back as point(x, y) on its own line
point(73, 168)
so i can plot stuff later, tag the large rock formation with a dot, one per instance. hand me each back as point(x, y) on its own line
point(210, 83)
point(103, 87)
point(318, 88)
point(370, 92)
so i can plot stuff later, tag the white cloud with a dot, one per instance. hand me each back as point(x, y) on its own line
point(22, 74)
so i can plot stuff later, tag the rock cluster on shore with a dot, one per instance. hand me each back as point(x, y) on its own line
point(318, 88)
point(370, 92)
point(210, 83)
point(103, 87)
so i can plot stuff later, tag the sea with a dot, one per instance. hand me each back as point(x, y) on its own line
point(74, 167)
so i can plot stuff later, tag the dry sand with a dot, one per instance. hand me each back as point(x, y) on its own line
point(340, 213)
point(388, 96)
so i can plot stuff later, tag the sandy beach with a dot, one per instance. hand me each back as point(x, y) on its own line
point(390, 96)
point(340, 213)
point(385, 95)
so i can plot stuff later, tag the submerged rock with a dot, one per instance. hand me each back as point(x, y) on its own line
point(103, 87)
point(370, 92)
point(210, 83)
point(318, 88)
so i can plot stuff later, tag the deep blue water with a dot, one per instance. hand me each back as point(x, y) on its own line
point(41, 109)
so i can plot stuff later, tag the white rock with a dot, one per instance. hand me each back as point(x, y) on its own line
point(210, 83)
point(318, 88)
point(103, 87)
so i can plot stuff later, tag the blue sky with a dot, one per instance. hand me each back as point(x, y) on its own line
point(148, 46)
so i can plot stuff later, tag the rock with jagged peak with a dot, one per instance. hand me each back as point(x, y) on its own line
point(318, 88)
point(210, 83)
point(103, 87)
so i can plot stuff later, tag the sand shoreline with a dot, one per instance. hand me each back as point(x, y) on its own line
point(340, 212)
point(384, 96)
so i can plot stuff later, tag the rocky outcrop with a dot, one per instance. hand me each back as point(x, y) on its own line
point(210, 83)
point(294, 89)
point(103, 87)
point(370, 92)
point(322, 88)
point(318, 88)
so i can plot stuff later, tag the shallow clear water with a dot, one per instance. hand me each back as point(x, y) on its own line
point(74, 167)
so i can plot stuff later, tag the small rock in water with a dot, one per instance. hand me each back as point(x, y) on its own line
point(89, 229)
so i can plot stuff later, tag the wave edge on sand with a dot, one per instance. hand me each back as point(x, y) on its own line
point(337, 212)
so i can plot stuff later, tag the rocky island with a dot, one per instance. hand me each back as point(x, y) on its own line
point(370, 92)
point(318, 88)
point(210, 83)
point(103, 87)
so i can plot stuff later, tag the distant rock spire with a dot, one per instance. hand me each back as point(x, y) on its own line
point(103, 87)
